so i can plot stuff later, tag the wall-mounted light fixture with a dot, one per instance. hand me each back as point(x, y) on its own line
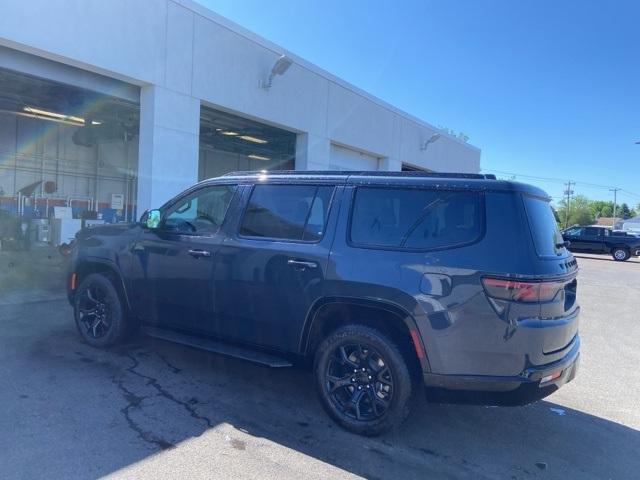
point(279, 68)
point(431, 140)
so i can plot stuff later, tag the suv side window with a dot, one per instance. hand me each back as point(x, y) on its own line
point(200, 213)
point(287, 212)
point(415, 218)
point(593, 232)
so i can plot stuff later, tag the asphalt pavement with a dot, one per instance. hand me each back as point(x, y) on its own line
point(150, 409)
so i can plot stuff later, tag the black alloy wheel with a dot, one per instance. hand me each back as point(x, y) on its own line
point(362, 379)
point(99, 311)
point(359, 381)
point(94, 311)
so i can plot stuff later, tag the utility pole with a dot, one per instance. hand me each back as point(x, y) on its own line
point(568, 192)
point(615, 205)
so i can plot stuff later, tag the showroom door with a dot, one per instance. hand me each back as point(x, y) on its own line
point(175, 262)
point(343, 158)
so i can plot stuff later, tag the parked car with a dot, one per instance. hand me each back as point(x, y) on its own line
point(387, 281)
point(620, 245)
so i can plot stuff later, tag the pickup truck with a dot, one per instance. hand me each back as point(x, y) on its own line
point(602, 240)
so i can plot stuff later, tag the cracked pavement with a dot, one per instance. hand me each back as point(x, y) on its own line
point(150, 409)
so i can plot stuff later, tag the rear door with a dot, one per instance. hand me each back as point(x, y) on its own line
point(271, 271)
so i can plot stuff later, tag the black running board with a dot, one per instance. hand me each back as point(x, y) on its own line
point(217, 347)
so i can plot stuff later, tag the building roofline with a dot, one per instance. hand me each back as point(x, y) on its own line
point(204, 12)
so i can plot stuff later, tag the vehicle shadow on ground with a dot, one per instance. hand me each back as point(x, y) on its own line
point(155, 378)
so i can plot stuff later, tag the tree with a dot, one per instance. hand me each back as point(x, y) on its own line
point(601, 208)
point(624, 211)
point(579, 212)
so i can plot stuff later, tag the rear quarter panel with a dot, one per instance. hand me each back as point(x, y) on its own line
point(441, 289)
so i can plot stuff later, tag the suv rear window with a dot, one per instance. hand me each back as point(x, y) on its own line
point(288, 212)
point(543, 226)
point(415, 218)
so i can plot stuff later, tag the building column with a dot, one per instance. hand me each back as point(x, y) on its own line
point(312, 152)
point(168, 145)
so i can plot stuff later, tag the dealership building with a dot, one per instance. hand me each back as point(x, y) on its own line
point(112, 107)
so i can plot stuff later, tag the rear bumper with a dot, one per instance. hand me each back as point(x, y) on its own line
point(524, 388)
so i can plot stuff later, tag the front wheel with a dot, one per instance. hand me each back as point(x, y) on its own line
point(99, 311)
point(363, 380)
point(620, 254)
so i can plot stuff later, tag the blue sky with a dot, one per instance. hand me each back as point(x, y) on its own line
point(545, 88)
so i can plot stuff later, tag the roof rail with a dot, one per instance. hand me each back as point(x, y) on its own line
point(477, 176)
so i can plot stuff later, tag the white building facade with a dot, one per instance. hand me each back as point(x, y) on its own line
point(143, 98)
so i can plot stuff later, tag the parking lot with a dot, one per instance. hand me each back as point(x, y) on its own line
point(150, 409)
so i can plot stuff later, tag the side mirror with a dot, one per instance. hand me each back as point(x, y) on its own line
point(153, 219)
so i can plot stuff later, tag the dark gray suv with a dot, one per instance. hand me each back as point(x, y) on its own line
point(384, 281)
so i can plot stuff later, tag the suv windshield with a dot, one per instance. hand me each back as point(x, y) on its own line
point(544, 229)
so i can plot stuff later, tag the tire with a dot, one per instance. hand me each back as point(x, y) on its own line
point(367, 402)
point(620, 254)
point(99, 312)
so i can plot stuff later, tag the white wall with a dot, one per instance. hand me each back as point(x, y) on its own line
point(183, 55)
point(347, 159)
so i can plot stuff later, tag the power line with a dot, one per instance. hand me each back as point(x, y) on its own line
point(561, 180)
point(525, 176)
point(630, 193)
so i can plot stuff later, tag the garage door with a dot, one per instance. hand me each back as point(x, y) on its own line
point(347, 159)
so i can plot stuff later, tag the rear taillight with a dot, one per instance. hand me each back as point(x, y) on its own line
point(521, 291)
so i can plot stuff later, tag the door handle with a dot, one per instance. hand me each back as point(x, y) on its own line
point(301, 264)
point(199, 253)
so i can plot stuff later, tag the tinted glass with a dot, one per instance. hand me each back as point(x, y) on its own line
point(592, 231)
point(574, 232)
point(290, 212)
point(201, 212)
point(411, 218)
point(542, 223)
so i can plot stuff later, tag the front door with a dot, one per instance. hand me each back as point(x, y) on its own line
point(574, 235)
point(175, 262)
point(272, 270)
point(592, 239)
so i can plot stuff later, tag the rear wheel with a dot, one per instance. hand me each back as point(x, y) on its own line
point(620, 254)
point(363, 380)
point(99, 311)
